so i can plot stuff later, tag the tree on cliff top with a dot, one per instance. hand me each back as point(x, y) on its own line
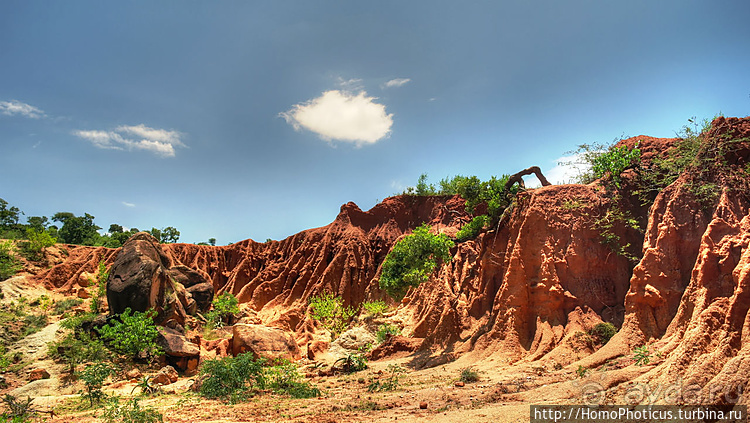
point(412, 260)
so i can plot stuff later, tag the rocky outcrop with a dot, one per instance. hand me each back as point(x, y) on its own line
point(522, 290)
point(264, 342)
point(143, 277)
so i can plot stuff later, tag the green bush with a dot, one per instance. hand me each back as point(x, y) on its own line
point(38, 241)
point(412, 260)
point(473, 228)
point(603, 332)
point(384, 330)
point(9, 264)
point(331, 312)
point(352, 363)
point(232, 378)
point(225, 306)
point(130, 412)
point(375, 308)
point(133, 335)
point(469, 375)
point(285, 379)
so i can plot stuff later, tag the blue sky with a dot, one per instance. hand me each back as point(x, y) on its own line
point(240, 120)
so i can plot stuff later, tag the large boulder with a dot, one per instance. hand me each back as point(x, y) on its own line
point(179, 351)
point(264, 342)
point(143, 277)
point(196, 282)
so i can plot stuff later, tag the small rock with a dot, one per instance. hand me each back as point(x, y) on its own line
point(166, 375)
point(460, 384)
point(423, 405)
point(361, 380)
point(37, 374)
point(83, 293)
point(134, 374)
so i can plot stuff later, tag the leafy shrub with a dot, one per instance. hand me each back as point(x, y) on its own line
point(9, 264)
point(225, 306)
point(384, 330)
point(19, 411)
point(93, 378)
point(473, 228)
point(130, 412)
point(232, 378)
point(284, 379)
point(412, 260)
point(642, 356)
point(352, 363)
point(469, 375)
point(331, 312)
point(375, 308)
point(603, 332)
point(133, 335)
point(38, 241)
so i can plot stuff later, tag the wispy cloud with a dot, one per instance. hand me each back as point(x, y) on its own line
point(342, 116)
point(139, 137)
point(15, 107)
point(397, 82)
point(353, 84)
point(126, 204)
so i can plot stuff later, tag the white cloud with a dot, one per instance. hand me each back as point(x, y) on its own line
point(158, 141)
point(342, 116)
point(350, 84)
point(15, 107)
point(397, 82)
point(126, 204)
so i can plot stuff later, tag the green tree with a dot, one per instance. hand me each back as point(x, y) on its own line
point(79, 230)
point(169, 235)
point(8, 215)
point(38, 223)
point(212, 241)
point(412, 260)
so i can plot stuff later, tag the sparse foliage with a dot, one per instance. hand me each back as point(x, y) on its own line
point(130, 412)
point(391, 381)
point(93, 378)
point(224, 307)
point(331, 312)
point(9, 264)
point(386, 330)
point(469, 375)
point(375, 308)
point(642, 356)
point(352, 363)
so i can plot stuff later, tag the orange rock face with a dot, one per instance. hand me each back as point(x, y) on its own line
point(530, 288)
